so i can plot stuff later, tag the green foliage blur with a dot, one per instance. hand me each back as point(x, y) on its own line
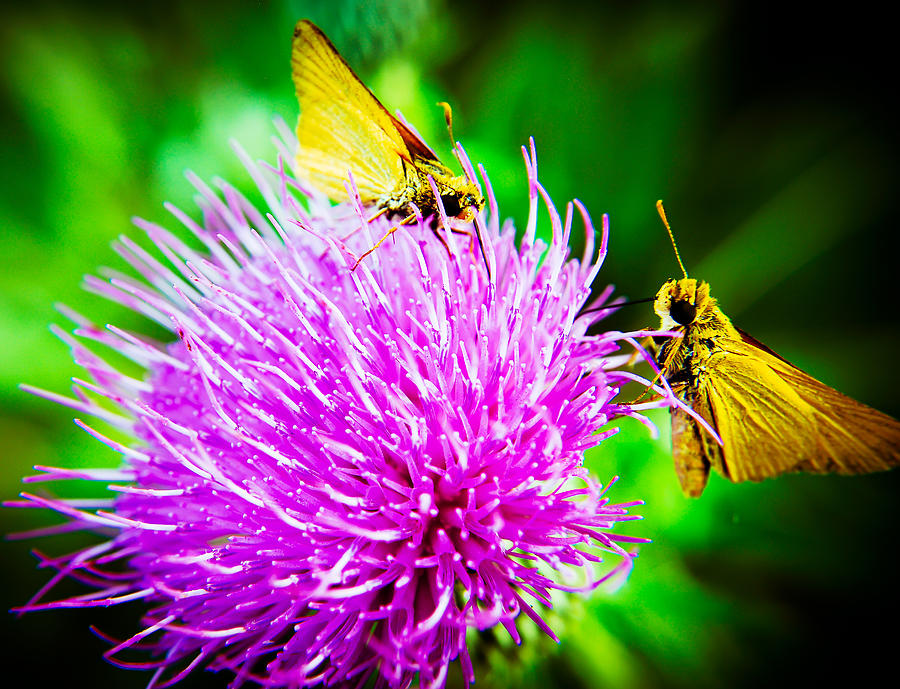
point(766, 130)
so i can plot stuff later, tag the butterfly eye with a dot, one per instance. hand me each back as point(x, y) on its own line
point(683, 312)
point(451, 204)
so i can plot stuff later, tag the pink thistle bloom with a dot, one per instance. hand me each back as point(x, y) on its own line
point(339, 473)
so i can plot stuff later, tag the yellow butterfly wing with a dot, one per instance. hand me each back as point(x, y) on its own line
point(773, 419)
point(342, 126)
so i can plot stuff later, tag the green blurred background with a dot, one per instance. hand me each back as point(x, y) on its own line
point(766, 130)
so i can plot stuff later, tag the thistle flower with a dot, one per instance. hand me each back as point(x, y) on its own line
point(339, 473)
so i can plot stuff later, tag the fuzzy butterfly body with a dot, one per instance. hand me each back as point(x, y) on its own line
point(772, 417)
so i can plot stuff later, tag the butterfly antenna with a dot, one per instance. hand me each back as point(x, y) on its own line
point(616, 305)
point(448, 117)
point(662, 215)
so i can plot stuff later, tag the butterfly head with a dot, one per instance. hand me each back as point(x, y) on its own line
point(681, 302)
point(461, 199)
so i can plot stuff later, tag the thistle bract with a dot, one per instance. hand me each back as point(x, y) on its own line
point(337, 473)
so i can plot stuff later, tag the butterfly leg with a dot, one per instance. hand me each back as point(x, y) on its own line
point(470, 235)
point(370, 219)
point(649, 345)
point(440, 237)
point(377, 215)
point(473, 236)
point(406, 221)
point(443, 241)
